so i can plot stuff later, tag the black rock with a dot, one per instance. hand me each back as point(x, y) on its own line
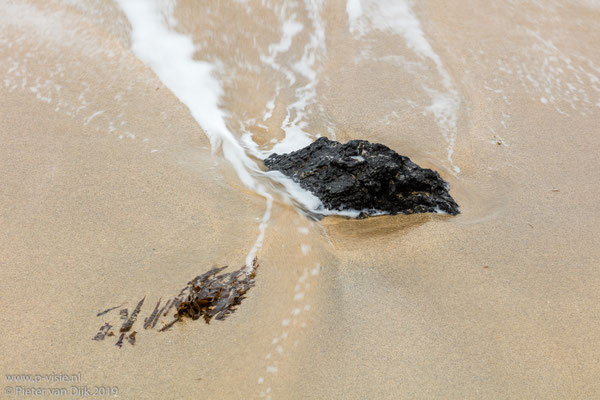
point(363, 176)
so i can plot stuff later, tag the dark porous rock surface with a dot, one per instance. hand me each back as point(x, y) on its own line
point(363, 176)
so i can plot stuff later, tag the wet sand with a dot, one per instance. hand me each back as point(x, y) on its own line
point(498, 302)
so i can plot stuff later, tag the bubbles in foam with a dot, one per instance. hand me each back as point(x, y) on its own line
point(397, 17)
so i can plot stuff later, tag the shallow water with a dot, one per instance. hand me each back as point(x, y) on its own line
point(132, 136)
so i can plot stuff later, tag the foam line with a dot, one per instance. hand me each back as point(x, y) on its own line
point(171, 57)
point(397, 16)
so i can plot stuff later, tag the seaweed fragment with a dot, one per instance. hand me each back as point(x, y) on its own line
point(124, 314)
point(108, 310)
point(169, 325)
point(102, 332)
point(131, 338)
point(120, 341)
point(148, 321)
point(129, 323)
point(163, 311)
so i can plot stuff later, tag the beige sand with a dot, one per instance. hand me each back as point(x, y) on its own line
point(499, 302)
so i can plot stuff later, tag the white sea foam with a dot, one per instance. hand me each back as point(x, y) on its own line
point(594, 4)
point(171, 57)
point(294, 193)
point(307, 67)
point(271, 105)
point(396, 16)
point(38, 38)
point(355, 12)
point(91, 117)
point(289, 29)
point(560, 78)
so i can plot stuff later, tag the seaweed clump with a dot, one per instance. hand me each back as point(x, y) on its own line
point(213, 295)
point(210, 295)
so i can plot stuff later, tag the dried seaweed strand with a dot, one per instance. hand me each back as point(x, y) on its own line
point(131, 338)
point(108, 310)
point(120, 341)
point(148, 321)
point(102, 332)
point(129, 323)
